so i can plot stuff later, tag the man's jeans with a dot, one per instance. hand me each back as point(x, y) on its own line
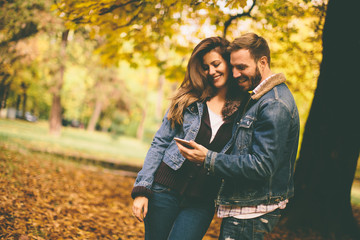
point(254, 229)
point(169, 217)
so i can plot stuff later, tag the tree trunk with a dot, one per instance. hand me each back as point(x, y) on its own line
point(158, 114)
point(24, 101)
point(330, 149)
point(18, 101)
point(55, 116)
point(55, 112)
point(4, 89)
point(141, 127)
point(95, 116)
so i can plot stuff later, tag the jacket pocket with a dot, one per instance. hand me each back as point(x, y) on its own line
point(158, 188)
point(244, 137)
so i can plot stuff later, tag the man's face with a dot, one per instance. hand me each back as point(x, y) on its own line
point(245, 70)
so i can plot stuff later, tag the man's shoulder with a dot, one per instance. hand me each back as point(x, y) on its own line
point(280, 95)
point(278, 92)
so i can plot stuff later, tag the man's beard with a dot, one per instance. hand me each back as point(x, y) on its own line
point(254, 80)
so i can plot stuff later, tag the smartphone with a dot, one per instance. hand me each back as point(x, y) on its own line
point(183, 142)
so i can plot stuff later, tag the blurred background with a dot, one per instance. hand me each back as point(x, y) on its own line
point(90, 81)
point(112, 66)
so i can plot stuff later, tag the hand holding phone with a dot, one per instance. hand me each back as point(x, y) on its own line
point(183, 142)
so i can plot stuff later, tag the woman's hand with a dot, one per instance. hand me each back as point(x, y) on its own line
point(196, 155)
point(140, 208)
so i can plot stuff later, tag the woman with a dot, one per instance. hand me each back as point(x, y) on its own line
point(172, 195)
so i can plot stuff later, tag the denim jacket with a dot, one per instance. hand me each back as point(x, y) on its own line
point(163, 147)
point(260, 168)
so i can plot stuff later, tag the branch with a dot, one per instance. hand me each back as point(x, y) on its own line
point(240, 15)
point(113, 7)
point(133, 18)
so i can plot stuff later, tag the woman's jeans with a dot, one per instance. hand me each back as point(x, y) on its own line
point(246, 229)
point(170, 216)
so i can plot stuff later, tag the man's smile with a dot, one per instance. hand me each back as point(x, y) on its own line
point(242, 80)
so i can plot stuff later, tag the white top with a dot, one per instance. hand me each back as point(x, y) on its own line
point(215, 122)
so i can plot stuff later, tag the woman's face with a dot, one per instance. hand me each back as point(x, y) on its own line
point(216, 69)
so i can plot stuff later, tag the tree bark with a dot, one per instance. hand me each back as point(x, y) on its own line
point(55, 112)
point(24, 100)
point(326, 167)
point(141, 127)
point(24, 103)
point(55, 116)
point(4, 89)
point(18, 101)
point(95, 116)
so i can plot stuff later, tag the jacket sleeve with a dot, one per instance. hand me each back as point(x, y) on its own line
point(154, 156)
point(270, 133)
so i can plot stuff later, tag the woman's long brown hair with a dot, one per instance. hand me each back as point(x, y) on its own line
point(195, 86)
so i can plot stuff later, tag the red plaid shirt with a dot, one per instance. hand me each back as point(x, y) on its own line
point(248, 212)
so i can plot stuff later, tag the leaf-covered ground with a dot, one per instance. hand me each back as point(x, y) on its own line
point(44, 197)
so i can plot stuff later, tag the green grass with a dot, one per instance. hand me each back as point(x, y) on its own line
point(73, 142)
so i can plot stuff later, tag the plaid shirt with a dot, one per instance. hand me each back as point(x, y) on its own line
point(248, 212)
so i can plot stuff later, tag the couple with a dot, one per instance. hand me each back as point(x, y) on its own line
point(243, 127)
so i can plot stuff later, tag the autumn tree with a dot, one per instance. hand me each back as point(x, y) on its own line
point(36, 19)
point(13, 44)
point(108, 90)
point(328, 158)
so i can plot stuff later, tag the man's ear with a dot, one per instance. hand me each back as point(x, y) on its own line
point(262, 63)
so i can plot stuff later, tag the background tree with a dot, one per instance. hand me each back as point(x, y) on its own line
point(13, 35)
point(56, 109)
point(328, 158)
point(36, 19)
point(108, 90)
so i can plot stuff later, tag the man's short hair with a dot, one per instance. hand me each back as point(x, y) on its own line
point(257, 46)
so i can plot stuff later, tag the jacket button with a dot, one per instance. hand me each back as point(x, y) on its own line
point(198, 164)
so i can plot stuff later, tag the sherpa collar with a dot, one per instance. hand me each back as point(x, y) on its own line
point(267, 85)
point(232, 105)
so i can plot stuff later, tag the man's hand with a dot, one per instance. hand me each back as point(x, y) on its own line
point(140, 208)
point(196, 155)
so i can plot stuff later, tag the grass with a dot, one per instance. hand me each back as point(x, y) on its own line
point(73, 142)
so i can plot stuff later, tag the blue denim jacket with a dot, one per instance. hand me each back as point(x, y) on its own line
point(163, 147)
point(260, 168)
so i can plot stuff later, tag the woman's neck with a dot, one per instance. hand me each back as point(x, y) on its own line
point(217, 102)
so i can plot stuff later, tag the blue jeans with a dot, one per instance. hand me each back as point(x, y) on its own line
point(170, 216)
point(254, 229)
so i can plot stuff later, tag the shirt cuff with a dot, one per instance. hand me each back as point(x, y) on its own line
point(141, 191)
point(209, 163)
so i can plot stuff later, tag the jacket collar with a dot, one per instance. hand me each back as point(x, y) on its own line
point(267, 85)
point(232, 105)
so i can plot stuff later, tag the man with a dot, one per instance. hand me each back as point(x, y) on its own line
point(258, 173)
